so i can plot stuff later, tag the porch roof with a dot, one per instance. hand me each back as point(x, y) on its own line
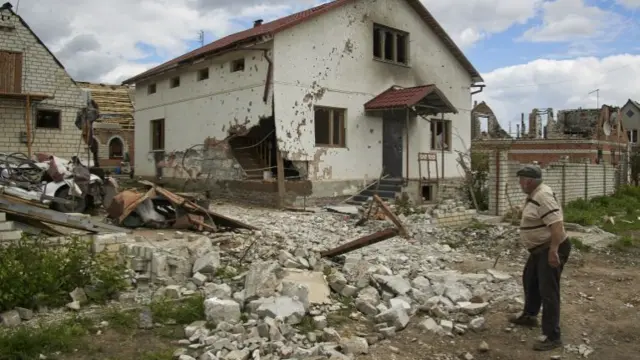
point(425, 99)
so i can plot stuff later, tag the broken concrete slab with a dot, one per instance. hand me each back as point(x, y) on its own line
point(319, 291)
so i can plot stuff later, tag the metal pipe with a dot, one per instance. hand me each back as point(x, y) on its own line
point(480, 87)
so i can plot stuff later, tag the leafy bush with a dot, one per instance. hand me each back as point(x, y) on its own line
point(480, 171)
point(34, 273)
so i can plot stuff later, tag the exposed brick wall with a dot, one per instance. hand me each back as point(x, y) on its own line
point(570, 181)
point(41, 74)
point(104, 135)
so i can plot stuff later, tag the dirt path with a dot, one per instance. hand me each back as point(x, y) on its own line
point(600, 303)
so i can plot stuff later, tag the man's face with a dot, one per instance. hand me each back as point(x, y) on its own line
point(525, 184)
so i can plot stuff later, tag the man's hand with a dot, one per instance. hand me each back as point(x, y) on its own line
point(554, 259)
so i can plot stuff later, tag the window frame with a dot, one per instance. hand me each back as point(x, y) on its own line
point(380, 46)
point(122, 147)
point(630, 136)
point(199, 75)
point(152, 89)
point(332, 113)
point(51, 111)
point(157, 143)
point(174, 82)
point(235, 62)
point(448, 132)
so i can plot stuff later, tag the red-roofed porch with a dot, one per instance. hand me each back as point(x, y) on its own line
point(423, 100)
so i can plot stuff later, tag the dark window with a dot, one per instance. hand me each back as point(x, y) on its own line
point(237, 65)
point(116, 148)
point(48, 119)
point(390, 44)
point(151, 89)
point(329, 127)
point(157, 134)
point(203, 74)
point(174, 82)
point(440, 134)
point(377, 43)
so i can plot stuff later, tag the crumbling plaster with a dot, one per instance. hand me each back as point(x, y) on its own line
point(200, 110)
point(328, 61)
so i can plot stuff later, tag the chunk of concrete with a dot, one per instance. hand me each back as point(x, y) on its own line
point(261, 280)
point(396, 317)
point(218, 310)
point(397, 284)
point(10, 318)
point(287, 308)
point(319, 291)
point(207, 264)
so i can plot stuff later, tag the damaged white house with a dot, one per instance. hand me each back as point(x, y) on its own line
point(341, 91)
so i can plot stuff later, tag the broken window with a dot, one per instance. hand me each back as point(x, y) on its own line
point(116, 148)
point(174, 82)
point(237, 65)
point(633, 136)
point(10, 72)
point(390, 45)
point(330, 127)
point(151, 89)
point(157, 134)
point(203, 74)
point(440, 134)
point(48, 119)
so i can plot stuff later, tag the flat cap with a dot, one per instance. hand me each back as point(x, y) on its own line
point(530, 171)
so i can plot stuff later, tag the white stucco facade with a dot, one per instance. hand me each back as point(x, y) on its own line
point(328, 61)
point(324, 61)
point(197, 110)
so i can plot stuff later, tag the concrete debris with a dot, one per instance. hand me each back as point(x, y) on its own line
point(282, 299)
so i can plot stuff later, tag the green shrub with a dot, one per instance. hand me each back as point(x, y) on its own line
point(34, 273)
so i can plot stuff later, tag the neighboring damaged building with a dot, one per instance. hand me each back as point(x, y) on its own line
point(340, 91)
point(38, 99)
point(482, 112)
point(578, 135)
point(114, 129)
point(630, 113)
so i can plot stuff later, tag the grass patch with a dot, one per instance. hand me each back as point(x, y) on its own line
point(623, 206)
point(578, 244)
point(475, 224)
point(27, 343)
point(625, 242)
point(306, 325)
point(157, 355)
point(341, 316)
point(121, 321)
point(179, 312)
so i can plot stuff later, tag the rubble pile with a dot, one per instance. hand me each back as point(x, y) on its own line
point(284, 303)
point(448, 212)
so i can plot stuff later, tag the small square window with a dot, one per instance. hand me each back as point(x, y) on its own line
point(203, 74)
point(630, 113)
point(151, 89)
point(237, 65)
point(174, 82)
point(48, 119)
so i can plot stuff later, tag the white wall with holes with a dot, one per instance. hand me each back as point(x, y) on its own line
point(328, 61)
point(200, 108)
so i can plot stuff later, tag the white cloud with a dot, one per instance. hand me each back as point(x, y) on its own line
point(560, 84)
point(468, 21)
point(569, 20)
point(631, 4)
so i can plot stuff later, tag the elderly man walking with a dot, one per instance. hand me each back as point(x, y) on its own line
point(542, 232)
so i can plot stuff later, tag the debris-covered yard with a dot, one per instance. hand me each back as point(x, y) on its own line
point(270, 294)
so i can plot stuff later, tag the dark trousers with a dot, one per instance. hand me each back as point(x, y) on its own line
point(542, 287)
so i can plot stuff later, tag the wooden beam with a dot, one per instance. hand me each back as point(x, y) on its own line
point(28, 123)
point(280, 175)
point(391, 216)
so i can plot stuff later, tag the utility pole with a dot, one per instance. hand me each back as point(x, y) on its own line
point(201, 37)
point(597, 91)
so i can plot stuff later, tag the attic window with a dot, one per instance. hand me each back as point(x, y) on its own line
point(174, 82)
point(630, 113)
point(390, 45)
point(151, 89)
point(203, 74)
point(237, 65)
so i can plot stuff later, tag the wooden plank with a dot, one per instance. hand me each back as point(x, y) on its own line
point(17, 77)
point(391, 216)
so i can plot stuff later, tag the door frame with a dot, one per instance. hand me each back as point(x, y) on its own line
point(397, 118)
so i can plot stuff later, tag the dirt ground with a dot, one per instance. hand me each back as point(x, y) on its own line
point(599, 310)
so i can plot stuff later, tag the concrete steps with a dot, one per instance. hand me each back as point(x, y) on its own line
point(387, 191)
point(8, 230)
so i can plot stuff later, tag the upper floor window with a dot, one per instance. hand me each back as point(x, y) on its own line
point(237, 65)
point(174, 82)
point(151, 89)
point(390, 44)
point(203, 74)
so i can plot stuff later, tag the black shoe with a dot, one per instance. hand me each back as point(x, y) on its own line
point(547, 345)
point(524, 320)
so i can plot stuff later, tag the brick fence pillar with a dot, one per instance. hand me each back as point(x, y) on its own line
point(498, 177)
